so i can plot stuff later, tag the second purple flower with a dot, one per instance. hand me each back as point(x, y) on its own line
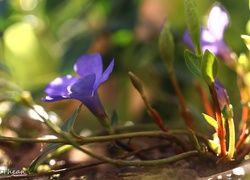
point(212, 36)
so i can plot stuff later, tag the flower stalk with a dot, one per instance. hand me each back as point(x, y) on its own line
point(166, 48)
point(151, 111)
point(184, 109)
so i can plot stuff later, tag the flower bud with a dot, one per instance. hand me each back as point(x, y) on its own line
point(166, 45)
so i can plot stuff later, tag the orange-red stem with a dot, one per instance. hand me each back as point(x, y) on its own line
point(221, 128)
point(184, 110)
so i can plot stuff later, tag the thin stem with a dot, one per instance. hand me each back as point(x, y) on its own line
point(206, 103)
point(107, 138)
point(245, 98)
point(151, 111)
point(134, 163)
point(31, 140)
point(140, 163)
point(245, 115)
point(244, 134)
point(184, 109)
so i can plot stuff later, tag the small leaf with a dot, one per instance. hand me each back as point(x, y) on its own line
point(211, 121)
point(193, 63)
point(68, 123)
point(209, 67)
point(214, 146)
point(193, 24)
point(67, 127)
point(246, 39)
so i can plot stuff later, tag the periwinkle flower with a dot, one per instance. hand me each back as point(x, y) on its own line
point(83, 88)
point(212, 36)
point(222, 95)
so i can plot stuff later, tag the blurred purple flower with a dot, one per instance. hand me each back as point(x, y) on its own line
point(84, 88)
point(212, 37)
point(221, 94)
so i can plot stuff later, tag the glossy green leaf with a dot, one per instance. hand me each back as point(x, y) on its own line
point(209, 67)
point(211, 121)
point(193, 63)
point(193, 24)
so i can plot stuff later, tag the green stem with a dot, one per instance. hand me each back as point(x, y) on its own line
point(107, 138)
point(30, 140)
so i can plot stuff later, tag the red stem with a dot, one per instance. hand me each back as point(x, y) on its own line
point(184, 110)
point(205, 100)
point(221, 128)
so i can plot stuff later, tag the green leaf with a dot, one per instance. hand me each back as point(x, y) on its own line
point(193, 63)
point(33, 165)
point(214, 146)
point(68, 123)
point(246, 39)
point(193, 24)
point(67, 127)
point(211, 121)
point(209, 67)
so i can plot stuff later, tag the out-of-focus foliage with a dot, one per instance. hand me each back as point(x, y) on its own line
point(41, 39)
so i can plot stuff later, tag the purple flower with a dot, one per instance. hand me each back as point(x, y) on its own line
point(212, 37)
point(221, 94)
point(83, 88)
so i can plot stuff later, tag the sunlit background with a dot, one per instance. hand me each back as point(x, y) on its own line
point(41, 40)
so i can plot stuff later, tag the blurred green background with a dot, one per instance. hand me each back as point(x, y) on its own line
point(41, 40)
